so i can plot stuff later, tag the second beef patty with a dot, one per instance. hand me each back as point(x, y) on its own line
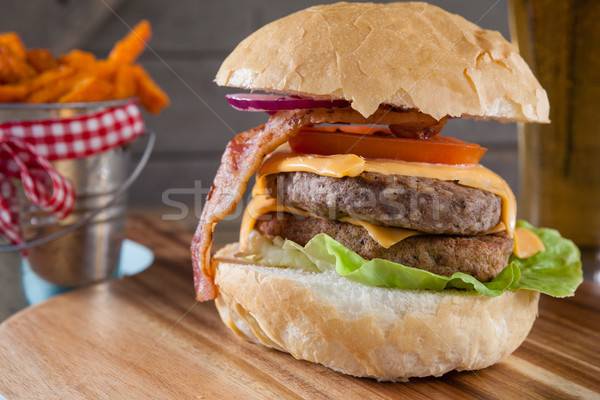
point(480, 256)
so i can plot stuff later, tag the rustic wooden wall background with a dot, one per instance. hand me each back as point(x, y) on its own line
point(191, 39)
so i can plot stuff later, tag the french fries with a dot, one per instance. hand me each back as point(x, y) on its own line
point(151, 96)
point(131, 46)
point(41, 60)
point(104, 69)
point(12, 93)
point(36, 76)
point(51, 93)
point(49, 78)
point(78, 59)
point(14, 43)
point(13, 68)
point(125, 82)
point(88, 89)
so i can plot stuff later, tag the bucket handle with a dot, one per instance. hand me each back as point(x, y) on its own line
point(151, 139)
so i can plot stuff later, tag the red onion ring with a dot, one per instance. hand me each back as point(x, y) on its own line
point(273, 102)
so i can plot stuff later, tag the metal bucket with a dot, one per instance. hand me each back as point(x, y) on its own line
point(85, 246)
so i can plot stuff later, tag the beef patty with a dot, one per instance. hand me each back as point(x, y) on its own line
point(423, 204)
point(480, 256)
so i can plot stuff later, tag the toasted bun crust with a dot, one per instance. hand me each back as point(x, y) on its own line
point(411, 55)
point(364, 331)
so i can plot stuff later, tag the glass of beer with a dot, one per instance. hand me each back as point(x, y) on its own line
point(560, 162)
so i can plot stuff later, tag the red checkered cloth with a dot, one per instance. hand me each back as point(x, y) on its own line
point(26, 147)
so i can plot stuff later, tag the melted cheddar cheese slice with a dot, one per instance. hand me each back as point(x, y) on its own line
point(527, 243)
point(262, 204)
point(475, 176)
point(337, 166)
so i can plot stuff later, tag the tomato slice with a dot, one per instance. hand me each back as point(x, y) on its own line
point(362, 140)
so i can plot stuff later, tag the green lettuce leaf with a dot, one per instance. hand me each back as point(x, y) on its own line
point(555, 271)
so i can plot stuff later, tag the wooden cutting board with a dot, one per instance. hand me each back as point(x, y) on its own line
point(146, 337)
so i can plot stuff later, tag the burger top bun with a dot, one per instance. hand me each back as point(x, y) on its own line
point(410, 55)
point(366, 331)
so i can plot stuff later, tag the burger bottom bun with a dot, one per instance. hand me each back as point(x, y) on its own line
point(365, 331)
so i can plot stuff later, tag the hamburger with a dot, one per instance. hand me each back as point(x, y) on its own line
point(373, 244)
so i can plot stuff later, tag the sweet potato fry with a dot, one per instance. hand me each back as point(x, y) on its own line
point(52, 92)
point(131, 46)
point(14, 43)
point(41, 60)
point(151, 95)
point(12, 93)
point(21, 69)
point(125, 82)
point(104, 69)
point(12, 68)
point(88, 89)
point(36, 76)
point(6, 72)
point(47, 94)
point(49, 77)
point(77, 59)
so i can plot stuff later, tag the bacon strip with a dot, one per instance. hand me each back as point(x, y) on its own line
point(243, 157)
point(418, 131)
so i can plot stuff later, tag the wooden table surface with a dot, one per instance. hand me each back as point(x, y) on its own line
point(145, 337)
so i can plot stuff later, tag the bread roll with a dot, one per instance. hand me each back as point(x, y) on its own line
point(412, 55)
point(387, 334)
